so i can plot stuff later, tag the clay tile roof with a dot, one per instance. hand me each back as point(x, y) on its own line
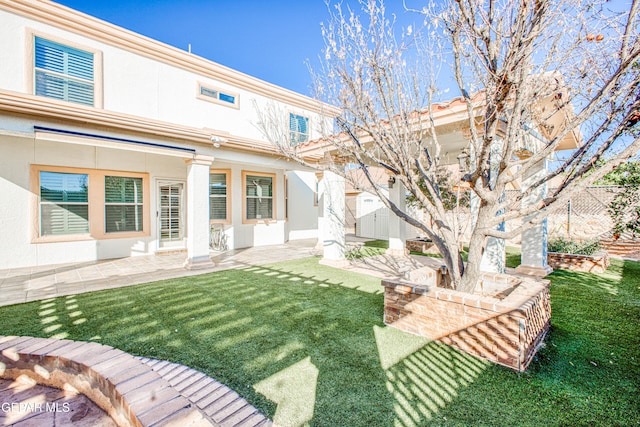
point(436, 108)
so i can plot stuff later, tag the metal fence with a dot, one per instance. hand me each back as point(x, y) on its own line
point(585, 216)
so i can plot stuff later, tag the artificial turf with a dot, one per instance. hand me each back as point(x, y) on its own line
point(305, 343)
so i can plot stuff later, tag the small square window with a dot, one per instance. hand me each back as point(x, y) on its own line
point(64, 203)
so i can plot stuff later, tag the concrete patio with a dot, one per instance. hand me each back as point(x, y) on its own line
point(37, 283)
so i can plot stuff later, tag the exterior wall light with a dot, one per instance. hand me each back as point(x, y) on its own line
point(463, 161)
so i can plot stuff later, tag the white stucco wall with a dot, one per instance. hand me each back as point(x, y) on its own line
point(19, 152)
point(135, 85)
point(16, 210)
point(241, 234)
point(138, 85)
point(303, 215)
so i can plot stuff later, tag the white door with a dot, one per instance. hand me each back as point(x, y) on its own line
point(381, 220)
point(171, 214)
point(373, 218)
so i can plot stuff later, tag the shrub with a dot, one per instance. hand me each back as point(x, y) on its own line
point(574, 247)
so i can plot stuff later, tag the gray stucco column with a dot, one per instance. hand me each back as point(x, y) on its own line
point(331, 225)
point(397, 227)
point(198, 228)
point(534, 240)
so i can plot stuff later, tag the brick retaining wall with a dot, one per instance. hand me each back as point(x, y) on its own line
point(597, 263)
point(622, 247)
point(506, 331)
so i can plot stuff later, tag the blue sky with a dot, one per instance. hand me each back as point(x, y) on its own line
point(271, 40)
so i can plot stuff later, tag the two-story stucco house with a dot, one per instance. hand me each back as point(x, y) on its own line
point(113, 144)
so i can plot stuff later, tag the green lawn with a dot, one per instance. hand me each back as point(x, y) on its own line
point(306, 344)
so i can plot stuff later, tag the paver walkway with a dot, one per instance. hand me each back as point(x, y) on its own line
point(37, 283)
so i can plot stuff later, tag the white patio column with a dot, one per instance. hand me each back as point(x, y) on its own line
point(533, 260)
point(494, 255)
point(320, 201)
point(198, 228)
point(397, 227)
point(331, 230)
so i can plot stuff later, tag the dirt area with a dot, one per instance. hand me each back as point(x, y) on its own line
point(25, 404)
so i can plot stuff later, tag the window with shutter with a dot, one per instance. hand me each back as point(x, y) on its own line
point(218, 196)
point(298, 129)
point(259, 195)
point(63, 72)
point(77, 204)
point(64, 203)
point(123, 204)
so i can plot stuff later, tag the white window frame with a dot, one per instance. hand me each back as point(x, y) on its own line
point(98, 93)
point(217, 98)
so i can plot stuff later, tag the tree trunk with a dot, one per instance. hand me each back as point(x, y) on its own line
point(476, 248)
point(472, 269)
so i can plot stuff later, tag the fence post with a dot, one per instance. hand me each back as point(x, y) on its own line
point(569, 219)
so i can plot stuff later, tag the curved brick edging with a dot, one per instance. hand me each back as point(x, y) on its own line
point(128, 390)
point(220, 404)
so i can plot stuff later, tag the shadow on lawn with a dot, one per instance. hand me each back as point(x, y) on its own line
point(299, 347)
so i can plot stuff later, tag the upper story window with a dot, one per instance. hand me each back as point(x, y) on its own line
point(63, 72)
point(298, 129)
point(218, 96)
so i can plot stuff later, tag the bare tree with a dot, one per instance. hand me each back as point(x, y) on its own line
point(531, 74)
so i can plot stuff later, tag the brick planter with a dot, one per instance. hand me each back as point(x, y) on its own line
point(596, 263)
point(505, 326)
